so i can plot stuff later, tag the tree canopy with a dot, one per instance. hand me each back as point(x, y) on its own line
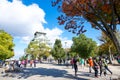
point(107, 46)
point(6, 45)
point(85, 47)
point(103, 15)
point(37, 50)
point(57, 50)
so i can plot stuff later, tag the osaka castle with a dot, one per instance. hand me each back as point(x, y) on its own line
point(42, 38)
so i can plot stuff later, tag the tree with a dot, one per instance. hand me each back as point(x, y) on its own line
point(43, 50)
point(22, 58)
point(32, 50)
point(58, 52)
point(103, 15)
point(37, 50)
point(6, 45)
point(107, 47)
point(118, 35)
point(85, 47)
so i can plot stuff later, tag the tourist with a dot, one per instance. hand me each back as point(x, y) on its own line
point(102, 67)
point(106, 65)
point(96, 67)
point(82, 63)
point(72, 63)
point(90, 62)
point(75, 65)
point(31, 63)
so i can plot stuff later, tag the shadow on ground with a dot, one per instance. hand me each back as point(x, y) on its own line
point(28, 72)
point(82, 73)
point(116, 64)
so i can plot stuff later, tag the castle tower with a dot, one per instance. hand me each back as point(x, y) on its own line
point(41, 38)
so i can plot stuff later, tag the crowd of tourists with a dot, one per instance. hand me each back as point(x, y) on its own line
point(17, 65)
point(98, 65)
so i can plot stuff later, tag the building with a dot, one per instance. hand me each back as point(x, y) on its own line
point(41, 38)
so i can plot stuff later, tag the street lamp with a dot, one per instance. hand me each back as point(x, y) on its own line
point(66, 54)
point(66, 49)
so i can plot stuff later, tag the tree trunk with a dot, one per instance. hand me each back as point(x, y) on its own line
point(115, 42)
point(110, 55)
point(40, 60)
point(111, 34)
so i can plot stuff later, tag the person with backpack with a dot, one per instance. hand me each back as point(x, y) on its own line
point(102, 67)
point(106, 66)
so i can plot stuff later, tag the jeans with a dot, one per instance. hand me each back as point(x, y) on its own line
point(90, 69)
point(106, 67)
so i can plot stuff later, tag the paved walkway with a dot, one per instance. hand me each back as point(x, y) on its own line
point(57, 72)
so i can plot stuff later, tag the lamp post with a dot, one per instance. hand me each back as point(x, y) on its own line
point(66, 54)
point(66, 49)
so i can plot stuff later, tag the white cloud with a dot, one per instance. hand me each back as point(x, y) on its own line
point(53, 34)
point(67, 43)
point(56, 34)
point(18, 55)
point(20, 20)
point(23, 21)
point(25, 39)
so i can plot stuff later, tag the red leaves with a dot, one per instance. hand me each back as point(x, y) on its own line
point(61, 20)
point(71, 8)
point(72, 22)
point(106, 8)
point(54, 3)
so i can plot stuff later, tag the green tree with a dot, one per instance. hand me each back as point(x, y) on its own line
point(72, 54)
point(37, 50)
point(32, 50)
point(43, 50)
point(57, 51)
point(85, 47)
point(103, 15)
point(23, 58)
point(6, 45)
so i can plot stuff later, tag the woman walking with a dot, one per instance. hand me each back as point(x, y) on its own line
point(96, 66)
point(102, 67)
point(82, 63)
point(75, 65)
point(106, 66)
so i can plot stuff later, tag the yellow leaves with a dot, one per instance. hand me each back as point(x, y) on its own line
point(6, 45)
point(107, 43)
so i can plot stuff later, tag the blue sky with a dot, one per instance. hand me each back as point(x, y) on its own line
point(22, 18)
